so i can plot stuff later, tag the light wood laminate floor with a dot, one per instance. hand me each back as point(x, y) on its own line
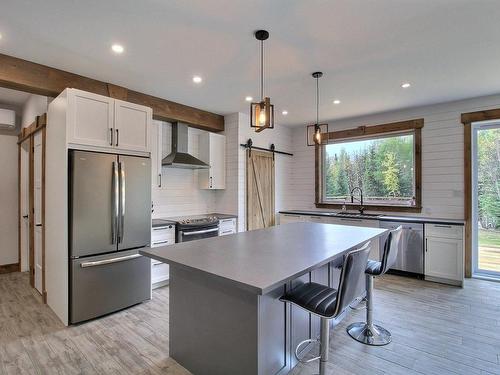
point(436, 330)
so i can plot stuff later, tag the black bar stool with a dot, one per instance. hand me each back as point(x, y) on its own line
point(328, 303)
point(367, 332)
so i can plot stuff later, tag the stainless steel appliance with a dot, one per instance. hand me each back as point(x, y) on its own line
point(410, 258)
point(109, 219)
point(195, 228)
point(180, 156)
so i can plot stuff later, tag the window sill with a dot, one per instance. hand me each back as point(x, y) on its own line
point(369, 207)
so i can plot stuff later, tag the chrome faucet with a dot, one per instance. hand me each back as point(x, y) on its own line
point(360, 200)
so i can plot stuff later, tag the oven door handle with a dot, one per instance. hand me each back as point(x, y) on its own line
point(200, 232)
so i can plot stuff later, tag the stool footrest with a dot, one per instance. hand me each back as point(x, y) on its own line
point(301, 360)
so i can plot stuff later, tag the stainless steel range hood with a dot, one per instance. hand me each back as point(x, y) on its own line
point(179, 157)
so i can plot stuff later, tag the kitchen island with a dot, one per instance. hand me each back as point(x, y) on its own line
point(225, 316)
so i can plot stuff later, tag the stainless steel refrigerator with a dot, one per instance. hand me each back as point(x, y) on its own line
point(109, 220)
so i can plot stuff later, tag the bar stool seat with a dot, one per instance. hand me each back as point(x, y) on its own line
point(373, 267)
point(313, 297)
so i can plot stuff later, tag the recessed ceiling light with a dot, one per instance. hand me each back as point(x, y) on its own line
point(117, 48)
point(336, 101)
point(197, 79)
point(284, 113)
point(248, 98)
point(405, 85)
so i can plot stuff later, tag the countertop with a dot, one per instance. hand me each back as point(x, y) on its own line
point(261, 260)
point(405, 219)
point(220, 216)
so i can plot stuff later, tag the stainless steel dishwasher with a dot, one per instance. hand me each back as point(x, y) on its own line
point(410, 258)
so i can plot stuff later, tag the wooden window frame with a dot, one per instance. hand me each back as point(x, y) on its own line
point(360, 132)
point(467, 119)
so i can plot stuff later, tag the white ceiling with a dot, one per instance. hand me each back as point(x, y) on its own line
point(447, 49)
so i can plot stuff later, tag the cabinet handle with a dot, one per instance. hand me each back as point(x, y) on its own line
point(426, 245)
point(160, 242)
point(210, 182)
point(159, 185)
point(442, 226)
point(117, 137)
point(111, 136)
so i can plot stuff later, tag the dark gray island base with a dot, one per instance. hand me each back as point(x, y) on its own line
point(225, 314)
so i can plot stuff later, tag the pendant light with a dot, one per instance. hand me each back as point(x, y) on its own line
point(317, 134)
point(262, 113)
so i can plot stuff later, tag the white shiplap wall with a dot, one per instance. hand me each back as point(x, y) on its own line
point(442, 155)
point(180, 194)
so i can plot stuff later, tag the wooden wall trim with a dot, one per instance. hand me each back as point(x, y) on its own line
point(8, 268)
point(467, 119)
point(362, 131)
point(39, 79)
point(490, 114)
point(37, 125)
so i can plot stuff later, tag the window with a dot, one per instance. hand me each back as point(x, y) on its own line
point(383, 163)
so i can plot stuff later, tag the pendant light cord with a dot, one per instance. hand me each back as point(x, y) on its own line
point(317, 101)
point(261, 70)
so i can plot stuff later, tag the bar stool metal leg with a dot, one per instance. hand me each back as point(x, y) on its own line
point(369, 333)
point(324, 345)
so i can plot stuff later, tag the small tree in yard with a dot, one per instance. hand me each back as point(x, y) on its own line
point(391, 171)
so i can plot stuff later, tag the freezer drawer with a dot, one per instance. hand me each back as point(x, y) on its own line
point(107, 283)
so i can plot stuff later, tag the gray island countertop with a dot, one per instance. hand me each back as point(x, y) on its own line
point(261, 260)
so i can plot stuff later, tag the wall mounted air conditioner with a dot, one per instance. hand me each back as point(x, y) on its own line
point(7, 119)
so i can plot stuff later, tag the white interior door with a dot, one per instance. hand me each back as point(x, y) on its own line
point(25, 234)
point(37, 194)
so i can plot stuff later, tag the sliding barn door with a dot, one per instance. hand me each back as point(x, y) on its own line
point(260, 190)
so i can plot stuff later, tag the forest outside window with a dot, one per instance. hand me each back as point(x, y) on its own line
point(385, 165)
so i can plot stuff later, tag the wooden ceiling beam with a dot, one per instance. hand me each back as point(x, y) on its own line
point(23, 75)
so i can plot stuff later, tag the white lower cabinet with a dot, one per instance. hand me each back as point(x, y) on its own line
point(444, 253)
point(227, 226)
point(161, 236)
point(292, 218)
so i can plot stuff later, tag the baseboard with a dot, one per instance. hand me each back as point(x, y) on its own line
point(8, 268)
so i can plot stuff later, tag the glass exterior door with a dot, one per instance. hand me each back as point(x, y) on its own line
point(486, 198)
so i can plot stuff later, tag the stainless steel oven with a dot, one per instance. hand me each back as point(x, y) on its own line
point(196, 228)
point(197, 232)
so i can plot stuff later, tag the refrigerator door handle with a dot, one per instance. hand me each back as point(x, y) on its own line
point(115, 204)
point(121, 166)
point(109, 261)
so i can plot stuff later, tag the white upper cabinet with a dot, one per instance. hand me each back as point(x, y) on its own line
point(103, 122)
point(156, 153)
point(90, 118)
point(132, 126)
point(213, 152)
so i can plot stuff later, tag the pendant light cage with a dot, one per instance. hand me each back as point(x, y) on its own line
point(262, 112)
point(317, 134)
